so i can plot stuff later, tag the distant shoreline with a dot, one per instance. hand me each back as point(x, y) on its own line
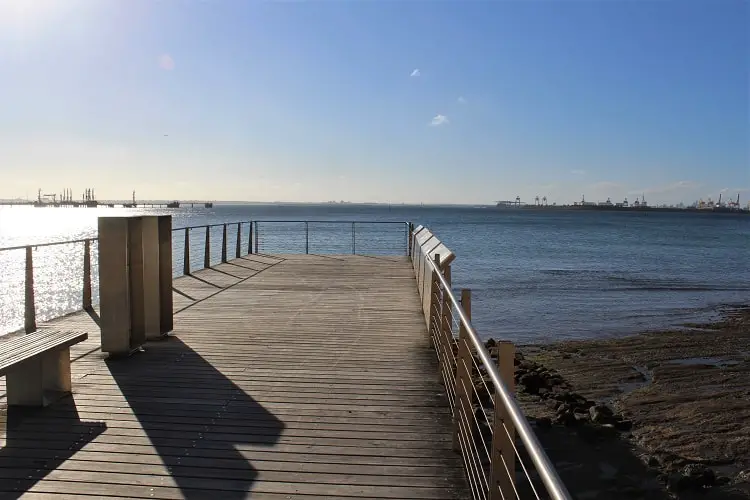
point(499, 208)
point(613, 208)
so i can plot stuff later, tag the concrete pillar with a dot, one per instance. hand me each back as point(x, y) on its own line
point(151, 290)
point(166, 302)
point(137, 282)
point(114, 285)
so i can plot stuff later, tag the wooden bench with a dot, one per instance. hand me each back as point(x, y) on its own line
point(37, 367)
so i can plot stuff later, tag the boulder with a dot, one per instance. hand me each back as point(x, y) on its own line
point(544, 422)
point(601, 414)
point(623, 425)
point(532, 382)
point(692, 477)
point(702, 475)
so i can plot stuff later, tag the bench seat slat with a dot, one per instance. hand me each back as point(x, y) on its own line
point(29, 346)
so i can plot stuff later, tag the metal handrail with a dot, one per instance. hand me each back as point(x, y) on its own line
point(50, 244)
point(547, 472)
point(203, 226)
point(30, 306)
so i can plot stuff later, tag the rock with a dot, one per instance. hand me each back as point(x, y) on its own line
point(490, 343)
point(692, 477)
point(565, 415)
point(544, 392)
point(702, 474)
point(532, 382)
point(544, 422)
point(600, 414)
point(743, 477)
point(652, 461)
point(564, 408)
point(623, 425)
point(676, 482)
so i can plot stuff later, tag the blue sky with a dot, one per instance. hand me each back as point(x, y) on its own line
point(454, 102)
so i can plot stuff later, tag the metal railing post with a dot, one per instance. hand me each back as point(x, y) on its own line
point(186, 254)
point(503, 453)
point(464, 374)
point(238, 246)
point(250, 239)
point(354, 240)
point(224, 244)
point(30, 306)
point(409, 243)
point(87, 275)
point(207, 249)
point(257, 232)
point(307, 237)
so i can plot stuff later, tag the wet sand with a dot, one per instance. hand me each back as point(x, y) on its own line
point(679, 424)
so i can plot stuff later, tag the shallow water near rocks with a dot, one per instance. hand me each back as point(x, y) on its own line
point(716, 362)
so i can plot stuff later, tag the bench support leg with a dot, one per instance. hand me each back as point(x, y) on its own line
point(40, 380)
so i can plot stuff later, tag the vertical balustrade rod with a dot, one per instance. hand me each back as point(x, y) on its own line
point(87, 275)
point(354, 240)
point(186, 254)
point(207, 249)
point(224, 244)
point(250, 239)
point(30, 313)
point(464, 373)
point(434, 307)
point(411, 237)
point(307, 237)
point(503, 453)
point(257, 232)
point(446, 322)
point(238, 246)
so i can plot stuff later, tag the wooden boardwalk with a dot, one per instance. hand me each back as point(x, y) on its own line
point(287, 377)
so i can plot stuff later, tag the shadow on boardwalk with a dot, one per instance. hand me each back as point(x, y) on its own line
point(182, 402)
point(38, 440)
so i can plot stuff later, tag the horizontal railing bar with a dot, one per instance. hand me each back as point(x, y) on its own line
point(37, 245)
point(333, 221)
point(203, 226)
point(547, 472)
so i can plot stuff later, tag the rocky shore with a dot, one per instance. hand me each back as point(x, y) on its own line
point(655, 415)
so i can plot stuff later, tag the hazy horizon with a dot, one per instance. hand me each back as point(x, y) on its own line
point(400, 102)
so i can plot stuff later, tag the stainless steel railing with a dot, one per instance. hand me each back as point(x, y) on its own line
point(332, 236)
point(297, 237)
point(502, 456)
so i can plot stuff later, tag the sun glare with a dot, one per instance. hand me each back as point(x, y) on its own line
point(28, 14)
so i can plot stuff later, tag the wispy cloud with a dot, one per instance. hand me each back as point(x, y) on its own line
point(439, 120)
point(461, 100)
point(578, 171)
point(416, 72)
point(166, 62)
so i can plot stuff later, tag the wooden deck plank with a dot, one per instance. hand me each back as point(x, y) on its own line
point(294, 376)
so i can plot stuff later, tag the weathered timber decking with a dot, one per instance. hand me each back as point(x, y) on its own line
point(287, 377)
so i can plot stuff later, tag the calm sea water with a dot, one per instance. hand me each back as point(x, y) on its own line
point(534, 276)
